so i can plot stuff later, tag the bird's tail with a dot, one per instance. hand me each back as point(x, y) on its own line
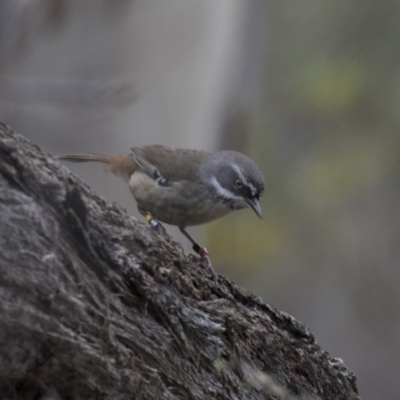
point(96, 157)
point(123, 166)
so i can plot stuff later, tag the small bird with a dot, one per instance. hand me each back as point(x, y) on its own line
point(184, 187)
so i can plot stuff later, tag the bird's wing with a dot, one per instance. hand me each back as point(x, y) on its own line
point(166, 164)
point(150, 169)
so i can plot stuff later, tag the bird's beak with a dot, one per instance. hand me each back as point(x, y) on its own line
point(255, 205)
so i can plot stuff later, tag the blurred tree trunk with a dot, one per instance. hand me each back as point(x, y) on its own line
point(95, 305)
point(101, 75)
point(61, 59)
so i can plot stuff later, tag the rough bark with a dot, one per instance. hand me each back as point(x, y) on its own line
point(96, 305)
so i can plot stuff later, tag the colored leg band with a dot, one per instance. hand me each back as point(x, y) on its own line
point(200, 250)
point(149, 217)
point(151, 220)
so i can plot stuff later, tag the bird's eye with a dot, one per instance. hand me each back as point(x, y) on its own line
point(238, 184)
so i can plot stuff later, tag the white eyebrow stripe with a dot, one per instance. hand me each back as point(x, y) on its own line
point(253, 190)
point(239, 172)
point(226, 194)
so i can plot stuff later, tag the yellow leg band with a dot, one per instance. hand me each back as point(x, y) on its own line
point(149, 217)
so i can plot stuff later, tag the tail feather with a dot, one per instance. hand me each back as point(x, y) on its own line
point(123, 166)
point(96, 157)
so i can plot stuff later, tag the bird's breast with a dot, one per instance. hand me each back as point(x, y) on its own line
point(181, 203)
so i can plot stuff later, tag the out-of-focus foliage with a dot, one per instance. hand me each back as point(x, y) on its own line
point(327, 136)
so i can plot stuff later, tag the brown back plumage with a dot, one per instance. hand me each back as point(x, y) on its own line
point(173, 164)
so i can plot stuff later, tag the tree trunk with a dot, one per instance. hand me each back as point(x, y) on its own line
point(96, 305)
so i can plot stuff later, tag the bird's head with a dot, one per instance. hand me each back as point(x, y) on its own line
point(235, 179)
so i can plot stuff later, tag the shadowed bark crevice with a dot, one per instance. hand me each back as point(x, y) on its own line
point(96, 305)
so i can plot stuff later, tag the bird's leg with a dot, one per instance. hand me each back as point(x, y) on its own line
point(201, 251)
point(157, 226)
point(154, 223)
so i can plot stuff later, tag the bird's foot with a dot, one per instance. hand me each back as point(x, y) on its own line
point(207, 263)
point(205, 259)
point(201, 251)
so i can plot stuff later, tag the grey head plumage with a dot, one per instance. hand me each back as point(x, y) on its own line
point(234, 178)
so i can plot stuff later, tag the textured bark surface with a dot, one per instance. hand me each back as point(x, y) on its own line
point(95, 305)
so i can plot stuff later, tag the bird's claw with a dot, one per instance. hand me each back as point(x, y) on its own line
point(207, 263)
point(201, 251)
point(205, 258)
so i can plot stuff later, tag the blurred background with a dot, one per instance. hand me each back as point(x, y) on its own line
point(310, 90)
